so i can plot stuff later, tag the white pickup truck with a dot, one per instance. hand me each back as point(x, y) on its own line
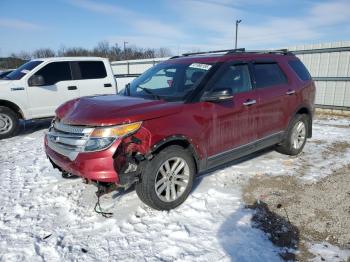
point(38, 87)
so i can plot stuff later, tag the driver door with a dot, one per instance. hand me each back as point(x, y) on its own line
point(233, 122)
point(57, 87)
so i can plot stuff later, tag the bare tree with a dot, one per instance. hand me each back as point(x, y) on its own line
point(43, 52)
point(24, 55)
point(76, 51)
point(102, 49)
point(163, 52)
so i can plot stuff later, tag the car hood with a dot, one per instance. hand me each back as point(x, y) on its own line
point(5, 82)
point(113, 110)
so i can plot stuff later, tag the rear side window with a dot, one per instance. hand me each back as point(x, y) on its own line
point(299, 68)
point(55, 72)
point(269, 74)
point(92, 70)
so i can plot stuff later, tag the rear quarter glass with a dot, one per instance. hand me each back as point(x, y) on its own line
point(300, 69)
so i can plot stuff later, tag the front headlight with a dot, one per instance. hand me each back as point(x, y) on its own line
point(103, 137)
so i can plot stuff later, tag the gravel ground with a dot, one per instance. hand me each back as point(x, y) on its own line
point(295, 212)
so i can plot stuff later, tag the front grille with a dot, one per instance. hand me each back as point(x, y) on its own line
point(68, 140)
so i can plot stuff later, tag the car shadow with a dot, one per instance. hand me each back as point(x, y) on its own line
point(212, 171)
point(31, 126)
point(279, 230)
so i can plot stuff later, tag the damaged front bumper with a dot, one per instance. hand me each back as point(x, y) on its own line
point(112, 165)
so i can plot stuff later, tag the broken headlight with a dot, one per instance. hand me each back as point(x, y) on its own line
point(102, 137)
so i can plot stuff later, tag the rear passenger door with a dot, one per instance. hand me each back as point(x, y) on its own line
point(271, 85)
point(92, 78)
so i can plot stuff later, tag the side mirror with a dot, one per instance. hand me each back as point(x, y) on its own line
point(218, 95)
point(36, 80)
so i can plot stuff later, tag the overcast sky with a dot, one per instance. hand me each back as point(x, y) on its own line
point(181, 25)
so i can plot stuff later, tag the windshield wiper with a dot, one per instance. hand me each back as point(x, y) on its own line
point(149, 92)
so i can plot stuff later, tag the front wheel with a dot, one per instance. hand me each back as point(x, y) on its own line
point(295, 139)
point(9, 123)
point(167, 179)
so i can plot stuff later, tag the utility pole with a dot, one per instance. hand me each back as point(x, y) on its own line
point(125, 49)
point(237, 23)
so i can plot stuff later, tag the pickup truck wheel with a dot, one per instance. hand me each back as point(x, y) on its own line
point(167, 179)
point(9, 123)
point(295, 139)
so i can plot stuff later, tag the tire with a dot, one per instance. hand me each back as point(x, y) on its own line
point(157, 174)
point(296, 136)
point(9, 122)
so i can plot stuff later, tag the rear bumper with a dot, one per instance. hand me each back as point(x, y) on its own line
point(98, 166)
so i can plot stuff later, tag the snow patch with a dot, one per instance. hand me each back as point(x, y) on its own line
point(327, 252)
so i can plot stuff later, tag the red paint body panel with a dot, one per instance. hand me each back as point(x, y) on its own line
point(211, 128)
point(97, 166)
point(113, 110)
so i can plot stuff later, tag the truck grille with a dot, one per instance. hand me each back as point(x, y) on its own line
point(68, 140)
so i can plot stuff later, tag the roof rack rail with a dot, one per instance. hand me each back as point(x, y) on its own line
point(216, 51)
point(242, 50)
point(272, 51)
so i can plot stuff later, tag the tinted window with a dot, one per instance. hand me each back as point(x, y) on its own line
point(92, 69)
point(170, 81)
point(268, 75)
point(162, 79)
point(236, 77)
point(23, 70)
point(300, 69)
point(55, 72)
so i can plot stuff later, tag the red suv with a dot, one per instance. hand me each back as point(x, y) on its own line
point(182, 117)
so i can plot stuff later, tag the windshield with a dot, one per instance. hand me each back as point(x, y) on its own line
point(22, 70)
point(168, 81)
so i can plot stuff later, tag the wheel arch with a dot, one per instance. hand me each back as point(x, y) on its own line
point(178, 140)
point(304, 110)
point(14, 107)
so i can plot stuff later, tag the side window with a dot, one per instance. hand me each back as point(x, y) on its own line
point(55, 72)
point(299, 68)
point(92, 70)
point(162, 79)
point(269, 74)
point(236, 77)
point(193, 75)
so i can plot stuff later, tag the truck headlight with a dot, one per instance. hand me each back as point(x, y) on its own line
point(103, 137)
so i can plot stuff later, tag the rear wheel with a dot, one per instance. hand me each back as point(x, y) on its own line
point(9, 122)
point(167, 179)
point(295, 139)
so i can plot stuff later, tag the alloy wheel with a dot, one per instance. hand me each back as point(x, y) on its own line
point(6, 123)
point(298, 135)
point(172, 179)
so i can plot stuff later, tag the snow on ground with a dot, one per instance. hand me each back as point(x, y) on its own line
point(45, 217)
point(327, 252)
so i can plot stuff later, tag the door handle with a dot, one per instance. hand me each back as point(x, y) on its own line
point(108, 85)
point(290, 92)
point(72, 88)
point(249, 102)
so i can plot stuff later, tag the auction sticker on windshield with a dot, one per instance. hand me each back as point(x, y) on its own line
point(200, 66)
